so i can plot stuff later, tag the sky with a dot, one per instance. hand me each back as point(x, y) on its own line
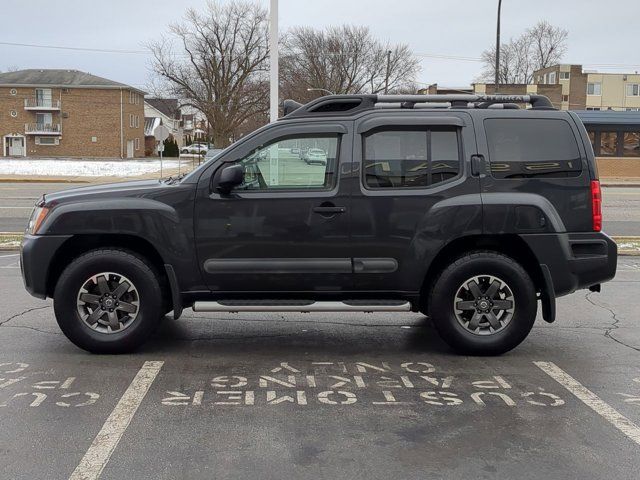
point(602, 35)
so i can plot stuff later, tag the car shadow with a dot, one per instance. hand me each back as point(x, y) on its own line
point(295, 335)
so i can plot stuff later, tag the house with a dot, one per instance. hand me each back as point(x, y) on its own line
point(69, 113)
point(162, 111)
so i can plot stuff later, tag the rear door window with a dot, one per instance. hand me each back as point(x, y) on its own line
point(418, 158)
point(528, 147)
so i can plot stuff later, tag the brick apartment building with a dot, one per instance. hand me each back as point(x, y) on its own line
point(68, 113)
point(570, 87)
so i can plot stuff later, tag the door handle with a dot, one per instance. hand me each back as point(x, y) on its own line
point(329, 210)
point(477, 165)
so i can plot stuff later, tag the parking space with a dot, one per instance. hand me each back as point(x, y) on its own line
point(323, 396)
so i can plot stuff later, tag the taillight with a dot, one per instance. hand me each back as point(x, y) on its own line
point(596, 205)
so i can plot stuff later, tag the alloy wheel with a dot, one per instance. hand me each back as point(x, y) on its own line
point(108, 302)
point(484, 305)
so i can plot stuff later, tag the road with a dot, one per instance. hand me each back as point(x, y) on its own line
point(621, 206)
point(311, 396)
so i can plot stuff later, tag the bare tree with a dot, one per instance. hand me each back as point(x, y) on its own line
point(215, 62)
point(344, 59)
point(538, 47)
point(548, 44)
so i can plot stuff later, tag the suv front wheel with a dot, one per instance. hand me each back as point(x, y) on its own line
point(483, 304)
point(108, 301)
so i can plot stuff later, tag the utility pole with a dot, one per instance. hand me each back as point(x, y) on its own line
point(273, 57)
point(497, 79)
point(386, 79)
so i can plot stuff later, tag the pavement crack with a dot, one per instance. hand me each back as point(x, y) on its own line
point(33, 328)
point(24, 312)
point(614, 325)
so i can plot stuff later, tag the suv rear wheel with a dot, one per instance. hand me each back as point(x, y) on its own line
point(108, 301)
point(483, 304)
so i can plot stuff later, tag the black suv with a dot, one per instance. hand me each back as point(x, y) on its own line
point(466, 208)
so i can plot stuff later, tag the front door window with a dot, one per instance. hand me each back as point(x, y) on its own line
point(294, 163)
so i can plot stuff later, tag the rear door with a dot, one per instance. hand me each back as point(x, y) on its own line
point(540, 153)
point(408, 163)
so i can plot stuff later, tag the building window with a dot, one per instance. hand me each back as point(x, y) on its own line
point(593, 108)
point(131, 120)
point(631, 144)
point(608, 144)
point(13, 91)
point(47, 141)
point(137, 143)
point(565, 98)
point(633, 89)
point(552, 77)
point(594, 88)
point(564, 75)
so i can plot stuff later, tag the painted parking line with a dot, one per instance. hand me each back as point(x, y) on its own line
point(622, 423)
point(98, 454)
point(12, 255)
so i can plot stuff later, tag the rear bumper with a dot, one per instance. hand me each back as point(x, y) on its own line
point(575, 260)
point(36, 254)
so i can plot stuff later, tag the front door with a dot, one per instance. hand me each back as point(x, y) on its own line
point(15, 146)
point(130, 146)
point(286, 228)
point(415, 195)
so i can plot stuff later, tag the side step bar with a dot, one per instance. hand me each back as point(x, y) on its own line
point(303, 307)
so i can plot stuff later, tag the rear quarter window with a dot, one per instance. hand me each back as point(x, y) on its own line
point(528, 147)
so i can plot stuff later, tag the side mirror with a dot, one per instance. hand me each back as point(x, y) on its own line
point(230, 177)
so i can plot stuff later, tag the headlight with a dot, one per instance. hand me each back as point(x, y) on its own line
point(38, 215)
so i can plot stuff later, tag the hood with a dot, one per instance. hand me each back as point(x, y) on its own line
point(107, 190)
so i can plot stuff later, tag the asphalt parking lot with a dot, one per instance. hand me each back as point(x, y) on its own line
point(323, 396)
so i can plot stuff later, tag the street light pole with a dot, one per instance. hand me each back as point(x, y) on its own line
point(273, 57)
point(497, 69)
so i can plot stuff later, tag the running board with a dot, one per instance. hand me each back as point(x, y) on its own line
point(302, 306)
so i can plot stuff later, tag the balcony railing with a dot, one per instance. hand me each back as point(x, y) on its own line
point(43, 129)
point(41, 104)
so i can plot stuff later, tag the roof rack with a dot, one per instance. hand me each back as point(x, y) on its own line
point(350, 104)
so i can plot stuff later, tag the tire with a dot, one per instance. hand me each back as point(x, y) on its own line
point(472, 329)
point(142, 297)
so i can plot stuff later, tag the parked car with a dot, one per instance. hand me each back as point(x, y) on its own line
point(315, 155)
point(471, 215)
point(195, 148)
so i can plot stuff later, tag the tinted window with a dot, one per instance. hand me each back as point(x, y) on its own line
point(410, 158)
point(292, 163)
point(521, 148)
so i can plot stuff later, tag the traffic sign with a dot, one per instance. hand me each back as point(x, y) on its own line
point(161, 133)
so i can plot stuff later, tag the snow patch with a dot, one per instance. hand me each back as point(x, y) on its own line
point(82, 168)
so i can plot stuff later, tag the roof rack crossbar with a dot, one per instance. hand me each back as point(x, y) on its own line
point(350, 104)
point(536, 101)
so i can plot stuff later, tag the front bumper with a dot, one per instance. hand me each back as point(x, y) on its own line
point(36, 255)
point(575, 260)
